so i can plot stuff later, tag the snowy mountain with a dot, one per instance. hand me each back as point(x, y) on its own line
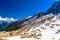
point(43, 28)
point(42, 25)
point(30, 21)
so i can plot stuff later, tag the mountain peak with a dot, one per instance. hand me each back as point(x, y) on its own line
point(55, 9)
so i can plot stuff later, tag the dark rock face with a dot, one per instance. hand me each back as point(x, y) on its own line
point(39, 14)
point(55, 9)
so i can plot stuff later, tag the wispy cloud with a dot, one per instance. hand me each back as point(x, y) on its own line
point(7, 18)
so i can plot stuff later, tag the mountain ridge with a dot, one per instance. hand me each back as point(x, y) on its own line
point(54, 10)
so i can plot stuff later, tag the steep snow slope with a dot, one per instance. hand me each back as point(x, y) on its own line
point(45, 28)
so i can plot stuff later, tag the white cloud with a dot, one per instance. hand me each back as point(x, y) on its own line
point(12, 18)
point(7, 19)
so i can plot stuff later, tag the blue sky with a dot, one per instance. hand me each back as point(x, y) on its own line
point(23, 8)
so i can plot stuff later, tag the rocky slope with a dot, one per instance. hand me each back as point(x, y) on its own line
point(45, 28)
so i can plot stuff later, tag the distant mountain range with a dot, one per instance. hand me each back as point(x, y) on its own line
point(31, 20)
point(5, 22)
